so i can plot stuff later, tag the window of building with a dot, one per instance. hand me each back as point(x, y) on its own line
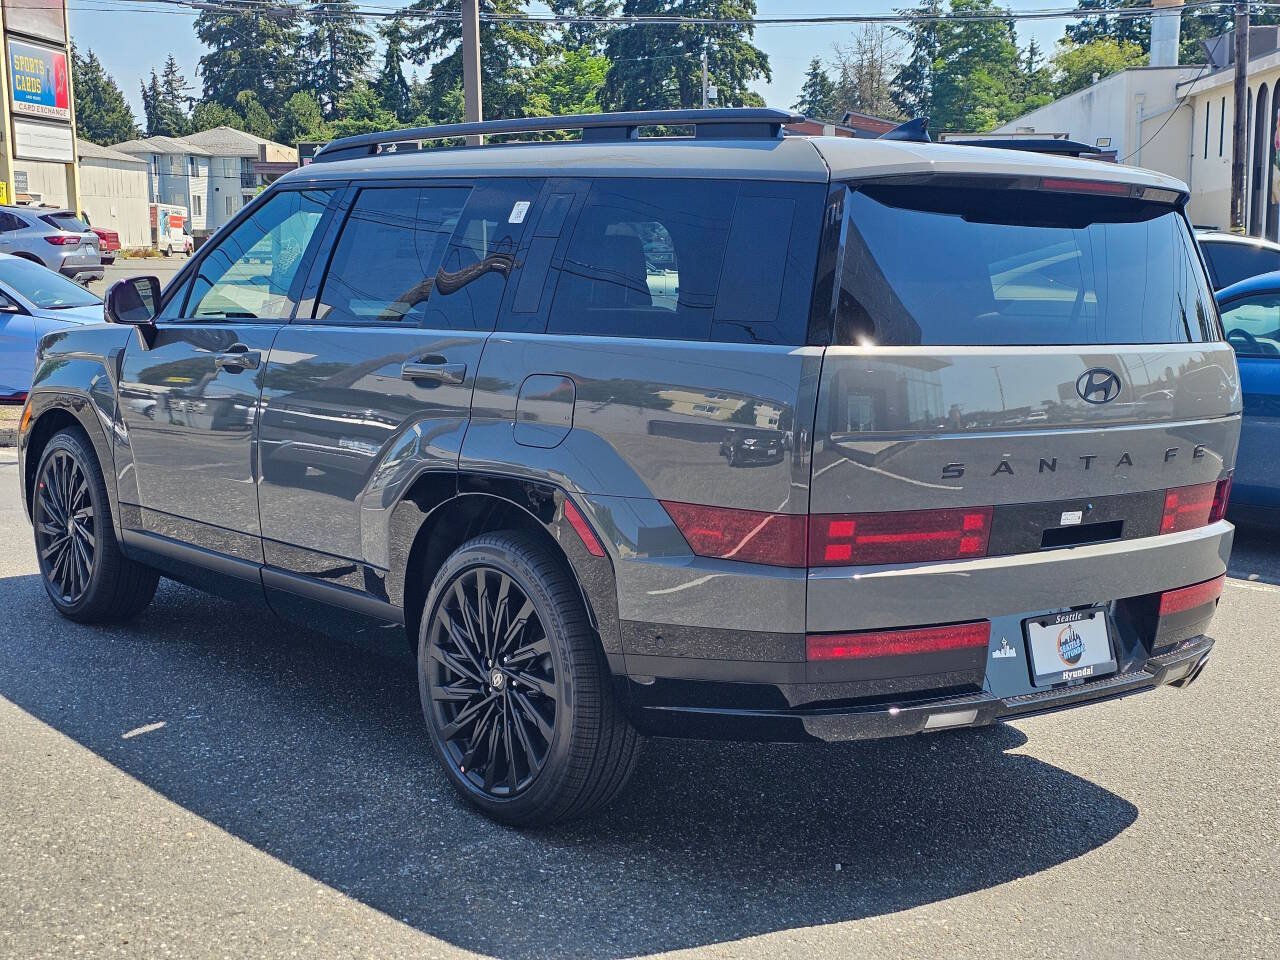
point(1222, 125)
point(192, 167)
point(254, 272)
point(197, 205)
point(230, 205)
point(405, 231)
point(1207, 108)
point(174, 163)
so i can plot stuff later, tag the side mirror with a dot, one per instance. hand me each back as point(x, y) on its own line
point(134, 302)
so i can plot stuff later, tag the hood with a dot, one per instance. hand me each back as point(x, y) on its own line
point(80, 315)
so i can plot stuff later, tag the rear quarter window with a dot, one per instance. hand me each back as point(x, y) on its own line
point(940, 265)
point(691, 260)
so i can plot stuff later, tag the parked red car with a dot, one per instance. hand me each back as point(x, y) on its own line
point(108, 243)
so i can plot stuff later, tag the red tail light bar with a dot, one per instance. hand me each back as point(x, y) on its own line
point(905, 536)
point(1188, 598)
point(59, 240)
point(896, 643)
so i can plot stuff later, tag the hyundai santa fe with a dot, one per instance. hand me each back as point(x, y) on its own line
point(729, 435)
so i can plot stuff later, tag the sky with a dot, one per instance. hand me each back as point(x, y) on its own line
point(132, 42)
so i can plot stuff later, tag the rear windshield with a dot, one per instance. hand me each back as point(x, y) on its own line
point(66, 221)
point(1232, 261)
point(965, 266)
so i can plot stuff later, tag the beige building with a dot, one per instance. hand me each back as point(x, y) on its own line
point(113, 193)
point(1177, 119)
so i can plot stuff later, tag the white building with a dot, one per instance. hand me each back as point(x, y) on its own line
point(113, 193)
point(212, 173)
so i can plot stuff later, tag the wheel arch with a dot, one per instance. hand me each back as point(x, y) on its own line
point(51, 413)
point(440, 512)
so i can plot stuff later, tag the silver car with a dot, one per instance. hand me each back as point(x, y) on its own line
point(57, 239)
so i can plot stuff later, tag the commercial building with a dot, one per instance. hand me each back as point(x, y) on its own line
point(1177, 119)
point(37, 123)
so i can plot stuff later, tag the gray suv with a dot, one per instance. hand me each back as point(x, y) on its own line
point(57, 239)
point(731, 435)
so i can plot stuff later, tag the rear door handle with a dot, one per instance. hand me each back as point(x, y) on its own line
point(433, 369)
point(238, 357)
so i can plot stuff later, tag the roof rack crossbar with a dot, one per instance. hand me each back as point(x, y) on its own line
point(721, 123)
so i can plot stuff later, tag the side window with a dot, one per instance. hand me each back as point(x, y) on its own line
point(473, 275)
point(1233, 262)
point(404, 231)
point(1253, 325)
point(253, 273)
point(9, 222)
point(645, 260)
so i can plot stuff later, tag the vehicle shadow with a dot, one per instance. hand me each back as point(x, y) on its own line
point(1254, 554)
point(312, 750)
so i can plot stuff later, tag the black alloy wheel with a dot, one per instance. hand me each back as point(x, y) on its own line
point(66, 527)
point(492, 682)
point(516, 691)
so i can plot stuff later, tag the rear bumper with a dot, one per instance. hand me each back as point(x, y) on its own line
point(82, 273)
point(1178, 666)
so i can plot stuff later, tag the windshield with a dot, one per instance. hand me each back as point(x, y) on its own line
point(951, 265)
point(66, 221)
point(44, 288)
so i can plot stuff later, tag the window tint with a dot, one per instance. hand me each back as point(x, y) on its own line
point(66, 221)
point(1253, 325)
point(254, 272)
point(691, 260)
point(1233, 262)
point(645, 260)
point(404, 231)
point(478, 259)
point(959, 266)
point(9, 222)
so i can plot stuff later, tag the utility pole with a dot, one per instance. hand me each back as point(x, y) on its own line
point(471, 67)
point(1239, 135)
point(704, 78)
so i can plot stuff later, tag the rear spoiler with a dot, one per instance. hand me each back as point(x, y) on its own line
point(916, 130)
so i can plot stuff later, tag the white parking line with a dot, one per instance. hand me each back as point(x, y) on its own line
point(1260, 586)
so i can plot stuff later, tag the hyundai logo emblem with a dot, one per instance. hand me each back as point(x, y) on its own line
point(1098, 385)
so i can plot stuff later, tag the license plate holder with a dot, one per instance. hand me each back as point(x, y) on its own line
point(1075, 645)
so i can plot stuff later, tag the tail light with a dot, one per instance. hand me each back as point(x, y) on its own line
point(900, 537)
point(1086, 186)
point(1188, 598)
point(1220, 497)
point(749, 535)
point(1186, 508)
point(59, 240)
point(896, 643)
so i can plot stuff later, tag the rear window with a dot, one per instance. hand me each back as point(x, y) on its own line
point(934, 265)
point(66, 221)
point(1232, 262)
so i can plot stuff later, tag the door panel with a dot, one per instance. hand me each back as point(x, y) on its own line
point(1256, 479)
point(188, 406)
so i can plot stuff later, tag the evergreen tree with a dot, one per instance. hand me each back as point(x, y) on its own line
point(568, 84)
point(656, 67)
point(250, 48)
point(818, 94)
point(508, 51)
point(591, 37)
point(255, 116)
point(103, 115)
point(913, 83)
point(208, 115)
point(361, 111)
point(391, 85)
point(302, 120)
point(337, 49)
point(1135, 30)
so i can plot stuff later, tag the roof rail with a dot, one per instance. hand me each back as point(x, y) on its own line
point(1055, 145)
point(744, 123)
point(915, 130)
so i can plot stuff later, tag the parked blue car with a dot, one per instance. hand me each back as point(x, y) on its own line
point(1251, 317)
point(34, 300)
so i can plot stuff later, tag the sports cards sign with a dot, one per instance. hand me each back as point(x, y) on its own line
point(39, 78)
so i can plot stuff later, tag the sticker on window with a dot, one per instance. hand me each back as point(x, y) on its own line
point(518, 211)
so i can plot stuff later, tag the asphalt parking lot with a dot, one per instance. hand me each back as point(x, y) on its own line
point(162, 267)
point(205, 784)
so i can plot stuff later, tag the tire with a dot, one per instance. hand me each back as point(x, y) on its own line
point(541, 740)
point(88, 579)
